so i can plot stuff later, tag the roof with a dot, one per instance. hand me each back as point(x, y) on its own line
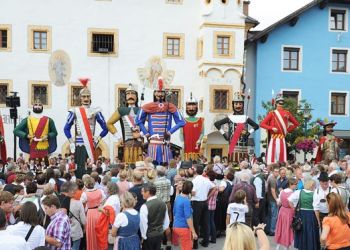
point(292, 17)
point(251, 20)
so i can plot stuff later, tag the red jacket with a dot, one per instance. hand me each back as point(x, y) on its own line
point(271, 121)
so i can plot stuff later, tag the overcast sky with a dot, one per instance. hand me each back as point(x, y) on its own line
point(268, 12)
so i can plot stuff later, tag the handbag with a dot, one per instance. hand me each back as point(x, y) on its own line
point(297, 223)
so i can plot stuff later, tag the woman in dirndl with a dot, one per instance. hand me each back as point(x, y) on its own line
point(284, 234)
point(126, 225)
point(308, 238)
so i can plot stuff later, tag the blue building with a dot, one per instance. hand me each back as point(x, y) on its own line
point(305, 56)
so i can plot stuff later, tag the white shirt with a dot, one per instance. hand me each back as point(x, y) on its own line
point(319, 195)
point(36, 239)
point(258, 186)
point(114, 202)
point(294, 197)
point(121, 220)
point(201, 187)
point(144, 218)
point(234, 208)
point(83, 197)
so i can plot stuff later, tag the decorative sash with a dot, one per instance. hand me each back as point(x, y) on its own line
point(38, 132)
point(281, 122)
point(86, 134)
point(235, 137)
point(130, 120)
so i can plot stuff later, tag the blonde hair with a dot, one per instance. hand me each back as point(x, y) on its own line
point(123, 175)
point(309, 184)
point(239, 237)
point(127, 200)
point(48, 189)
point(89, 182)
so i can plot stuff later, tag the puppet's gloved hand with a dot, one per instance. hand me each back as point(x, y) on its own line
point(167, 136)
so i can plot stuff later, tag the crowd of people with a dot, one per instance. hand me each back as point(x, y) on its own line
point(145, 206)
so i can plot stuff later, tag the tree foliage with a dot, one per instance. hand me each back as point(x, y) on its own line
point(306, 121)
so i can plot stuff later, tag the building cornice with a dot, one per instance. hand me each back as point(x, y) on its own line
point(222, 25)
point(220, 64)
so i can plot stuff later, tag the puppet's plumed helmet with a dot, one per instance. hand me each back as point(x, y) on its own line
point(131, 88)
point(238, 97)
point(85, 90)
point(192, 99)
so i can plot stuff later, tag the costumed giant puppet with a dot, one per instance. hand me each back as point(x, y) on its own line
point(37, 133)
point(329, 144)
point(131, 132)
point(159, 115)
point(84, 118)
point(193, 131)
point(278, 123)
point(238, 132)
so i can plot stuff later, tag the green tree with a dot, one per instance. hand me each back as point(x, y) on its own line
point(298, 111)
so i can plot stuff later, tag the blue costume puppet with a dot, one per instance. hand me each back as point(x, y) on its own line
point(84, 118)
point(159, 115)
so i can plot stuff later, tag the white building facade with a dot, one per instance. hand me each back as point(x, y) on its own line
point(196, 45)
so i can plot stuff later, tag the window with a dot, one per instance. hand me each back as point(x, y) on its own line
point(223, 44)
point(339, 60)
point(103, 42)
point(5, 88)
point(120, 97)
point(291, 58)
point(293, 95)
point(176, 96)
point(39, 39)
point(173, 45)
point(221, 98)
point(5, 37)
point(337, 19)
point(73, 95)
point(40, 90)
point(338, 103)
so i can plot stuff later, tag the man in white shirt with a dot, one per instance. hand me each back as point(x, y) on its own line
point(154, 218)
point(319, 201)
point(201, 189)
point(258, 182)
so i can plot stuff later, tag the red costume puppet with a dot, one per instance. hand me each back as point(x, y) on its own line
point(278, 123)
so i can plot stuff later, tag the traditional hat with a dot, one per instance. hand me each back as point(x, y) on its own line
point(326, 122)
point(85, 90)
point(191, 99)
point(279, 97)
point(323, 176)
point(131, 88)
point(238, 97)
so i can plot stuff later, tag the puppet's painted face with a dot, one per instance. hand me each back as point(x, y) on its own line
point(85, 99)
point(191, 109)
point(159, 96)
point(131, 98)
point(329, 129)
point(38, 108)
point(238, 107)
point(279, 104)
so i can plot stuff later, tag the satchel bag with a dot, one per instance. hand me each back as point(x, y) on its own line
point(297, 224)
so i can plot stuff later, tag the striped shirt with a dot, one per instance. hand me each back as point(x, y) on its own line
point(59, 228)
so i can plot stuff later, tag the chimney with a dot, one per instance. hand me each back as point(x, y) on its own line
point(246, 7)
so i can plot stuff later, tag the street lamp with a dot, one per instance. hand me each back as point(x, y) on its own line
point(13, 101)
